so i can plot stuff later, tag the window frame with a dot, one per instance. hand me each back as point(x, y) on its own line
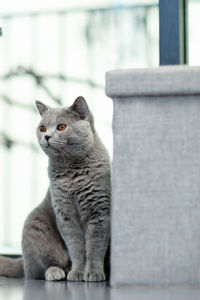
point(173, 32)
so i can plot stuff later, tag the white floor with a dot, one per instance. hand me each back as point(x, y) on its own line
point(13, 289)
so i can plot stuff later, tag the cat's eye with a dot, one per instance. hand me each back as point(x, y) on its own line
point(43, 128)
point(61, 127)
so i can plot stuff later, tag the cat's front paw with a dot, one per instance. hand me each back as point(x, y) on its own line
point(54, 273)
point(94, 276)
point(75, 275)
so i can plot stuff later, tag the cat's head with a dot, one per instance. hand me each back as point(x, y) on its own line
point(66, 132)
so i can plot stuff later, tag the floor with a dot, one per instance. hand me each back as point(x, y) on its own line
point(13, 289)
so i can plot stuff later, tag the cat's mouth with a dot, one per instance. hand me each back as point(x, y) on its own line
point(52, 147)
point(48, 146)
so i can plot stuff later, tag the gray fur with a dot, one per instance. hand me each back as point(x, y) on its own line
point(67, 235)
point(11, 267)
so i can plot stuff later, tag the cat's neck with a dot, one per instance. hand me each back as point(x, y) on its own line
point(63, 162)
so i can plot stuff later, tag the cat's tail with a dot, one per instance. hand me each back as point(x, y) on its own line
point(11, 267)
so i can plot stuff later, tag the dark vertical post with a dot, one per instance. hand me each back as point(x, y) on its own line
point(173, 32)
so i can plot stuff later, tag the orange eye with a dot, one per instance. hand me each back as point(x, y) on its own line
point(43, 128)
point(61, 127)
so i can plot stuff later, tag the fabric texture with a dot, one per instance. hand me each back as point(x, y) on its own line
point(156, 191)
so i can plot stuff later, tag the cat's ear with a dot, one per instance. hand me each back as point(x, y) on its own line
point(80, 106)
point(41, 107)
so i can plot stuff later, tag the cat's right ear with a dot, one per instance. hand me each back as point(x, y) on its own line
point(41, 107)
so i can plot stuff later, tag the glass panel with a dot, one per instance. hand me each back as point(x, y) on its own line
point(55, 55)
point(194, 36)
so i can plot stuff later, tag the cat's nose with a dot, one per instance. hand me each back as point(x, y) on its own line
point(47, 137)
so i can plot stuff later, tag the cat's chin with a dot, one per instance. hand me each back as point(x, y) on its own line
point(49, 150)
point(54, 148)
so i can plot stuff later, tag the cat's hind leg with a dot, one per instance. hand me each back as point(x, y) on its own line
point(44, 252)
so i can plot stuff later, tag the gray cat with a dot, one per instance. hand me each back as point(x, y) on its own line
point(67, 235)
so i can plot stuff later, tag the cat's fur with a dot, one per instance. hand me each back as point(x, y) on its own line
point(67, 235)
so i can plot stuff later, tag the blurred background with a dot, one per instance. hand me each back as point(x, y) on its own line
point(54, 51)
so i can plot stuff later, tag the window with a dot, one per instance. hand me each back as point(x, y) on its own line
point(55, 54)
point(193, 30)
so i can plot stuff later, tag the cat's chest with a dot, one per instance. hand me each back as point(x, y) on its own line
point(68, 192)
point(66, 184)
point(60, 183)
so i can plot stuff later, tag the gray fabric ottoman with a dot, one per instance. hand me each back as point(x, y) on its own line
point(156, 176)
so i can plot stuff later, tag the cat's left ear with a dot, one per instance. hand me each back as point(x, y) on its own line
point(41, 107)
point(80, 106)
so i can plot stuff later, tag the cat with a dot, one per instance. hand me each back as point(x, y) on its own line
point(67, 236)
